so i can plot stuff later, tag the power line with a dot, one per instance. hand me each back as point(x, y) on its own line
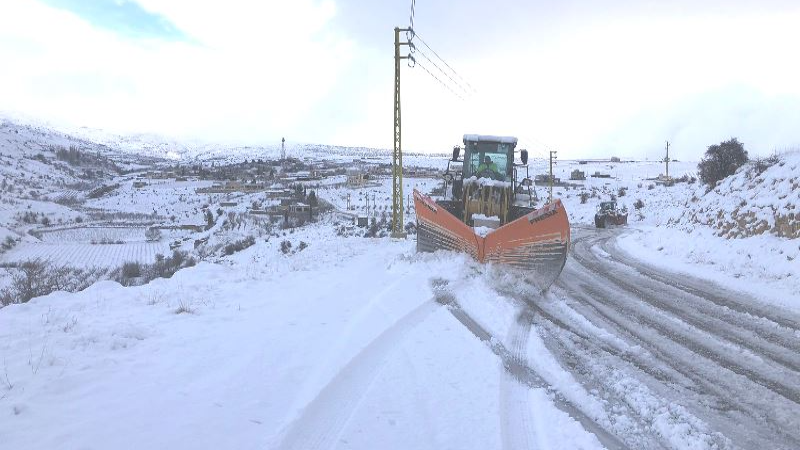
point(539, 142)
point(417, 64)
point(442, 71)
point(536, 145)
point(415, 34)
point(410, 33)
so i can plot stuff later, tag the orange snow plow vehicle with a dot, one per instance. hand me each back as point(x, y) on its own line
point(488, 211)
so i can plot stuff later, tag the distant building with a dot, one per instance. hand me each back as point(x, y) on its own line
point(545, 178)
point(356, 177)
point(577, 175)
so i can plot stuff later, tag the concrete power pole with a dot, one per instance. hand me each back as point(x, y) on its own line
point(397, 155)
point(553, 156)
point(666, 160)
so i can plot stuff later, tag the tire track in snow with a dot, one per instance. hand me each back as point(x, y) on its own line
point(635, 412)
point(520, 370)
point(323, 420)
point(427, 410)
point(727, 301)
point(642, 304)
point(724, 388)
point(517, 421)
point(618, 415)
point(734, 391)
point(722, 323)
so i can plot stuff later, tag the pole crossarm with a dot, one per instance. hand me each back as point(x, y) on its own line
point(553, 156)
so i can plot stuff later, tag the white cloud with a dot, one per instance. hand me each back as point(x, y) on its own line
point(597, 87)
point(255, 71)
point(252, 71)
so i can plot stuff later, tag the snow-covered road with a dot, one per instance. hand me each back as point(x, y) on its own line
point(683, 357)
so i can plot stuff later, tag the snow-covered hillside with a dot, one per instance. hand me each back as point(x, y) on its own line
point(159, 147)
point(762, 197)
point(743, 232)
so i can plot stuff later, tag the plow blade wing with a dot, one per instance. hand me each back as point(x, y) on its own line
point(537, 243)
point(437, 229)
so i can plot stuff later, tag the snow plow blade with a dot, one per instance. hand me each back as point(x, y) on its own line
point(536, 243)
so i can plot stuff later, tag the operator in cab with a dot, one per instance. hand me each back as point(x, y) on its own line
point(487, 165)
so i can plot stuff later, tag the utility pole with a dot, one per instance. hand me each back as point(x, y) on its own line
point(553, 156)
point(666, 160)
point(397, 155)
point(283, 149)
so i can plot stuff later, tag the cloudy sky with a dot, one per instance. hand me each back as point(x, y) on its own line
point(586, 78)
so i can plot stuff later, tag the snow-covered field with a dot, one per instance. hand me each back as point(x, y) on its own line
point(84, 255)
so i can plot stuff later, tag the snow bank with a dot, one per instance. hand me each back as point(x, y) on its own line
point(764, 266)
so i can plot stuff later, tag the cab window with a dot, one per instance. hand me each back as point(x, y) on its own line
point(497, 152)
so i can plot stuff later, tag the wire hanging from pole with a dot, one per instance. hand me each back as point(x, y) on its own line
point(466, 92)
point(417, 64)
point(443, 61)
point(410, 32)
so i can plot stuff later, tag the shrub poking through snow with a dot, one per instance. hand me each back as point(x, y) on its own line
point(721, 160)
point(762, 164)
point(37, 277)
point(239, 245)
point(184, 307)
point(131, 270)
point(9, 243)
point(163, 267)
point(638, 204)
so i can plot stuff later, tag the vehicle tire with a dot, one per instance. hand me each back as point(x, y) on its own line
point(598, 223)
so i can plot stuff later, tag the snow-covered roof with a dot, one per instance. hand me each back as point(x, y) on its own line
point(489, 137)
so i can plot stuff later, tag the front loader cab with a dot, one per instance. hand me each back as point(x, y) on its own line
point(608, 206)
point(489, 157)
point(487, 182)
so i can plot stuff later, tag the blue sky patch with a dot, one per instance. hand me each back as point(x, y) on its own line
point(125, 17)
